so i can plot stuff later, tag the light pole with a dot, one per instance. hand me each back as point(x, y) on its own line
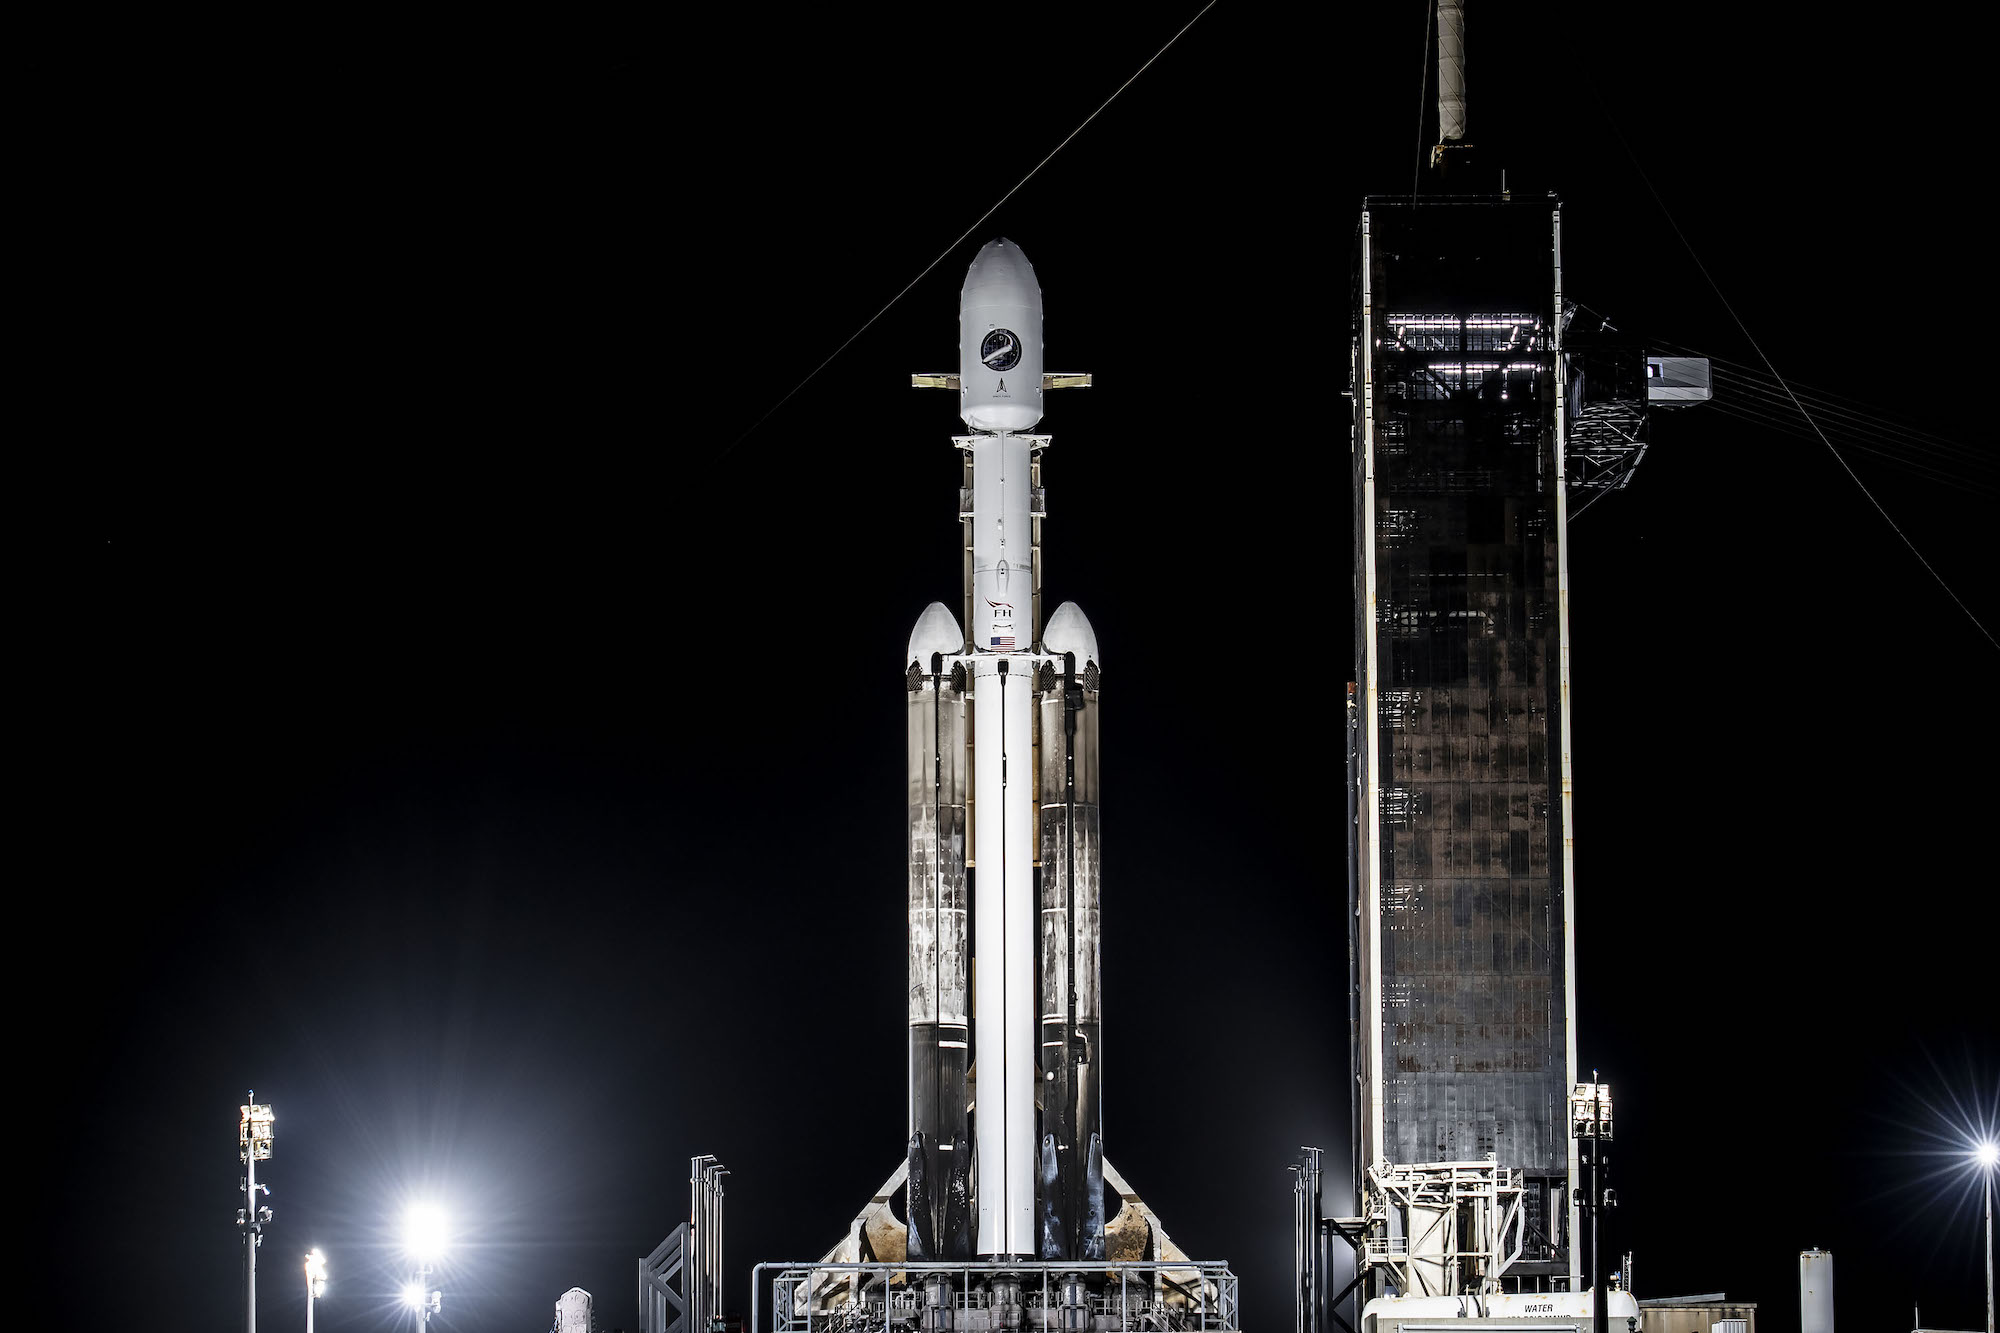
point(1986, 1154)
point(1590, 1124)
point(315, 1284)
point(253, 1145)
point(424, 1238)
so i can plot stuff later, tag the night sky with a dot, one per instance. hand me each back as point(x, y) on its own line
point(454, 726)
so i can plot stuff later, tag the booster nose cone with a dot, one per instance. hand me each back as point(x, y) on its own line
point(1000, 341)
point(1069, 631)
point(936, 631)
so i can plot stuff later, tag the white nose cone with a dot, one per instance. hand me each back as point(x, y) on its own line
point(1000, 341)
point(1069, 631)
point(936, 631)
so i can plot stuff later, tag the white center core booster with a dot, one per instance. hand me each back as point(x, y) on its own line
point(1000, 379)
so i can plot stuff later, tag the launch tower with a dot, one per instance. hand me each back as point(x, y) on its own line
point(1464, 1043)
point(1487, 411)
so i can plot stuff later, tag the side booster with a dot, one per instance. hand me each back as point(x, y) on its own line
point(1003, 781)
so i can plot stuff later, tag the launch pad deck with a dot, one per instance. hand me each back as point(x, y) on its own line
point(979, 1295)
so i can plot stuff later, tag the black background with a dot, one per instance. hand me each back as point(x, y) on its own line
point(460, 724)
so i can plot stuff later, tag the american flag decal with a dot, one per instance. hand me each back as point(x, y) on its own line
point(1003, 641)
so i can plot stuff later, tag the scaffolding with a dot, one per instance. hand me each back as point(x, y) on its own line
point(1445, 1228)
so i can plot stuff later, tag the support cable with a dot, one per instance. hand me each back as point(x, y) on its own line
point(1808, 391)
point(1755, 394)
point(1752, 401)
point(1789, 425)
point(1759, 387)
point(1758, 348)
point(1778, 414)
point(1747, 388)
point(1834, 405)
point(1828, 400)
point(1423, 91)
point(943, 254)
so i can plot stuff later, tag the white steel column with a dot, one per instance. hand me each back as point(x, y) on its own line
point(1373, 1056)
point(1568, 829)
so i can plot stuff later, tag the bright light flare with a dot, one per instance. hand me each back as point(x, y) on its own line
point(414, 1295)
point(316, 1273)
point(425, 1231)
point(1947, 1131)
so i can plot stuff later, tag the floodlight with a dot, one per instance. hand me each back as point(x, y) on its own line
point(316, 1273)
point(1986, 1154)
point(254, 1133)
point(425, 1234)
point(1590, 1111)
point(414, 1295)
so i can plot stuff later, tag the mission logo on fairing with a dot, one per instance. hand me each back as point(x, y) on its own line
point(1001, 351)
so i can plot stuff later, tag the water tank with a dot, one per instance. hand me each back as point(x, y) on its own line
point(1816, 1291)
point(573, 1311)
